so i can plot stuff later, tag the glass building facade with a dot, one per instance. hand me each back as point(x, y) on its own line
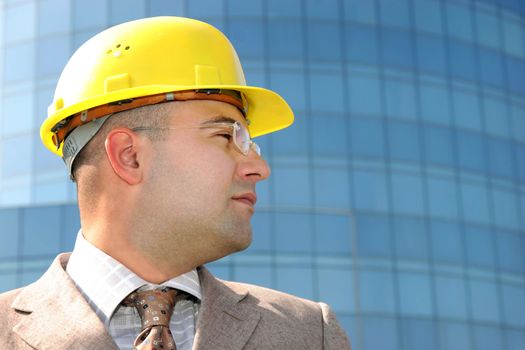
point(398, 195)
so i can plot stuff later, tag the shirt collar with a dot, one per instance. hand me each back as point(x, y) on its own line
point(105, 282)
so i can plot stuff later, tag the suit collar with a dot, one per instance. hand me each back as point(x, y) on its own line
point(227, 317)
point(58, 316)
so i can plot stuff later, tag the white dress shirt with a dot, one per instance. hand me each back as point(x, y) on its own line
point(105, 282)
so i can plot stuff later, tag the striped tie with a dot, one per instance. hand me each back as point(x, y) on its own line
point(155, 308)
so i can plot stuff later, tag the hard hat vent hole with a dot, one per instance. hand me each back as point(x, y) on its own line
point(109, 51)
point(118, 45)
point(126, 48)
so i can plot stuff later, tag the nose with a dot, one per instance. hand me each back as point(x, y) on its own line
point(253, 167)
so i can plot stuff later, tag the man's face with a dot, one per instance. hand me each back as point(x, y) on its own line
point(200, 188)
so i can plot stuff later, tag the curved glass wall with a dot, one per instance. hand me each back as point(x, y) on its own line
point(397, 196)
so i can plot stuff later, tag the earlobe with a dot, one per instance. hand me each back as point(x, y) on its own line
point(122, 149)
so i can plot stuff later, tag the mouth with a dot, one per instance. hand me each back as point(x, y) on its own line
point(249, 199)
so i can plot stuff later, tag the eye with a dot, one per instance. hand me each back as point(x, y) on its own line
point(226, 135)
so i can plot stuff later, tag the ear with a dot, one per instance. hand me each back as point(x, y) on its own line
point(122, 148)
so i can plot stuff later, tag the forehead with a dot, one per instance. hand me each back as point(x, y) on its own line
point(193, 113)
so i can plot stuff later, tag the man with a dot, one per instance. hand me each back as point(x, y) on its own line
point(153, 119)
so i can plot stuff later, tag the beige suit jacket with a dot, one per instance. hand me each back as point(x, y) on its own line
point(52, 314)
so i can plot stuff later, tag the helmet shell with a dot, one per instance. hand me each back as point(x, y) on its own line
point(155, 55)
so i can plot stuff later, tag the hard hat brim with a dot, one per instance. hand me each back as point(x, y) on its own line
point(267, 111)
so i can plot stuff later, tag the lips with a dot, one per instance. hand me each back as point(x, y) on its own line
point(247, 198)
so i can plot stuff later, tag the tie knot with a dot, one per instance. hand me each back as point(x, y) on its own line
point(154, 306)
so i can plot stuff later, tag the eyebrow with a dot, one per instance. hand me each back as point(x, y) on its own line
point(219, 119)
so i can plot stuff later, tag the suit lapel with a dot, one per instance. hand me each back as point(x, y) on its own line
point(225, 321)
point(56, 315)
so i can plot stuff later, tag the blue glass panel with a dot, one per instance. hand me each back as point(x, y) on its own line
point(205, 8)
point(71, 225)
point(8, 281)
point(31, 276)
point(293, 233)
point(372, 326)
point(518, 122)
point(376, 290)
point(289, 86)
point(20, 22)
point(89, 14)
point(260, 275)
point(454, 336)
point(247, 36)
point(286, 38)
point(403, 139)
point(245, 8)
point(397, 48)
point(9, 222)
point(513, 36)
point(511, 251)
point(284, 9)
point(292, 186)
point(326, 92)
point(496, 116)
point(480, 247)
point(459, 21)
point(438, 145)
point(53, 16)
point(40, 238)
point(52, 55)
point(400, 98)
point(446, 242)
point(520, 161)
point(487, 25)
point(341, 299)
point(364, 95)
point(471, 151)
point(166, 7)
point(487, 337)
point(515, 74)
point(407, 194)
point(126, 10)
point(395, 12)
point(431, 54)
point(366, 137)
point(330, 136)
point(361, 44)
point(327, 9)
point(484, 301)
point(451, 297)
point(428, 16)
point(16, 155)
point(296, 281)
point(21, 106)
point(319, 48)
point(415, 294)
point(292, 140)
point(435, 105)
point(332, 234)
point(467, 113)
point(19, 62)
point(222, 272)
point(411, 238)
point(462, 56)
point(505, 209)
point(360, 11)
point(417, 334)
point(262, 232)
point(442, 198)
point(370, 190)
point(331, 188)
point(514, 305)
point(515, 339)
point(475, 203)
point(491, 67)
point(374, 237)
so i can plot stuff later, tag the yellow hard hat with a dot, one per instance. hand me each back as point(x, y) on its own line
point(152, 56)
